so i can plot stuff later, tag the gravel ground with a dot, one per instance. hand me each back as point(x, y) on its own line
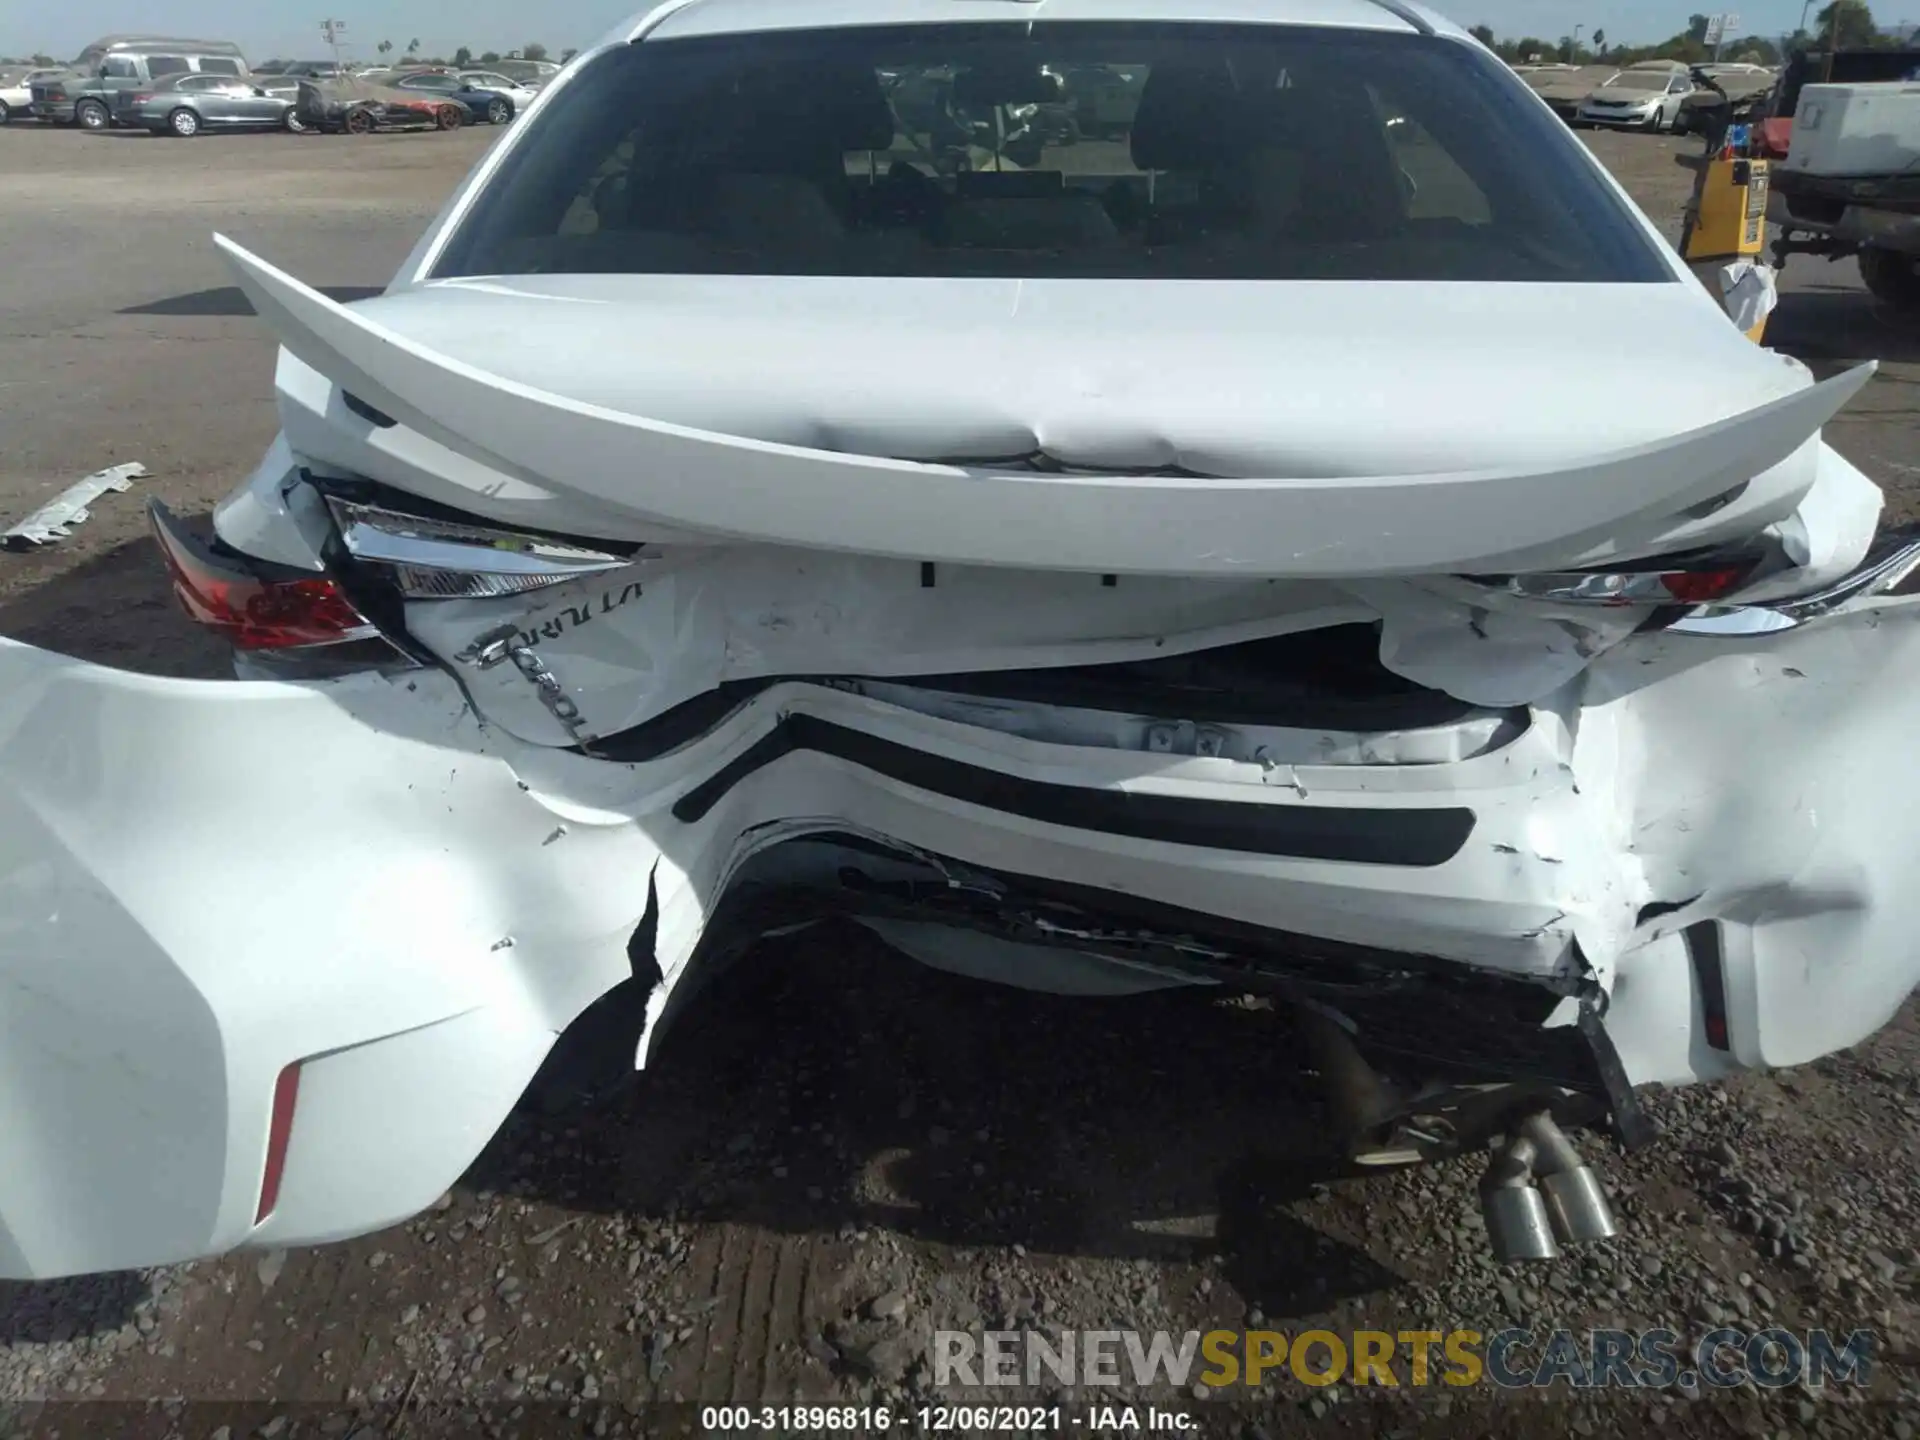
point(839, 1152)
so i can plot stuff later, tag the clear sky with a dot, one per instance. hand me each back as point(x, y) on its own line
point(290, 28)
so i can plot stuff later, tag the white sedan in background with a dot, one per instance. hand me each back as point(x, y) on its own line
point(1638, 100)
point(1238, 558)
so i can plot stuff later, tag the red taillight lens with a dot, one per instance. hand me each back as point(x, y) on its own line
point(138, 99)
point(286, 1094)
point(1698, 587)
point(253, 611)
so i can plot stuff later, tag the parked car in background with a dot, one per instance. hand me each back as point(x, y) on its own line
point(360, 106)
point(1638, 100)
point(480, 104)
point(16, 92)
point(317, 70)
point(1725, 95)
point(1564, 87)
point(186, 105)
point(531, 73)
point(83, 94)
point(272, 67)
point(521, 95)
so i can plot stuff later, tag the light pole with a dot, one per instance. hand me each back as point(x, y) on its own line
point(333, 30)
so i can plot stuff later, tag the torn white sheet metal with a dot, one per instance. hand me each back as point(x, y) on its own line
point(632, 644)
point(1326, 520)
point(1751, 783)
point(55, 520)
point(1749, 290)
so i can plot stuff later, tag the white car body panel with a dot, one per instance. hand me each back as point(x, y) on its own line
point(449, 898)
point(460, 867)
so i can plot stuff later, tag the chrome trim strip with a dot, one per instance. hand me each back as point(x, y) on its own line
point(389, 537)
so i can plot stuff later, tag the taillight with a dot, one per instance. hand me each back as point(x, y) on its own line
point(138, 99)
point(286, 1094)
point(255, 607)
point(1711, 580)
point(1698, 587)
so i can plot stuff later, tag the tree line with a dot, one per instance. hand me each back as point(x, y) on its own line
point(464, 56)
point(1842, 24)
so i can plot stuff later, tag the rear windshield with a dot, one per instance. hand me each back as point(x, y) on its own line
point(1053, 150)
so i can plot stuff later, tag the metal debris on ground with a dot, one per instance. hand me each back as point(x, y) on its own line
point(56, 519)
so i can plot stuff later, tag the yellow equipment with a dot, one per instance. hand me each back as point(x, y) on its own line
point(1727, 221)
point(1729, 217)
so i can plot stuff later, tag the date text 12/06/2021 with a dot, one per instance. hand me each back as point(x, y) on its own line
point(944, 1419)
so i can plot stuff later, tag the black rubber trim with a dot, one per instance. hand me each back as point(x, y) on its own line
point(379, 419)
point(1416, 838)
point(683, 724)
point(1636, 1128)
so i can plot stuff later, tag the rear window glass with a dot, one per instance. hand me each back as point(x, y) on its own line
point(218, 67)
point(159, 65)
point(1067, 149)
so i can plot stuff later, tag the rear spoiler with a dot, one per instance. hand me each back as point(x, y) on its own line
point(1295, 527)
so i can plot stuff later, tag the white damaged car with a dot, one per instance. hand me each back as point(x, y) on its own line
point(1228, 554)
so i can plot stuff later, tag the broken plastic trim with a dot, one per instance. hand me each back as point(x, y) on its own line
point(1418, 838)
point(55, 520)
point(1270, 682)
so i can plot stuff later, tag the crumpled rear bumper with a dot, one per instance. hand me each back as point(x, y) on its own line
point(203, 884)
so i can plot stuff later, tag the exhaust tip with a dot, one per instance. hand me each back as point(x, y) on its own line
point(1517, 1224)
point(1578, 1207)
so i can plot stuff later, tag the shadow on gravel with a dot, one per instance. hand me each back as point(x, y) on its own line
point(54, 1312)
point(1840, 323)
point(827, 1085)
point(230, 300)
point(115, 609)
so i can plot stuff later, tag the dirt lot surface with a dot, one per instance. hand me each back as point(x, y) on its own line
point(841, 1152)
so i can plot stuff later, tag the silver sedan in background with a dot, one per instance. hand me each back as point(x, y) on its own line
point(185, 105)
point(1639, 100)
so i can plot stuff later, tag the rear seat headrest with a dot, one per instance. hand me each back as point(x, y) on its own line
point(1186, 118)
point(846, 109)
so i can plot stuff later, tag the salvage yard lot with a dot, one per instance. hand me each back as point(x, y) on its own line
point(839, 1127)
